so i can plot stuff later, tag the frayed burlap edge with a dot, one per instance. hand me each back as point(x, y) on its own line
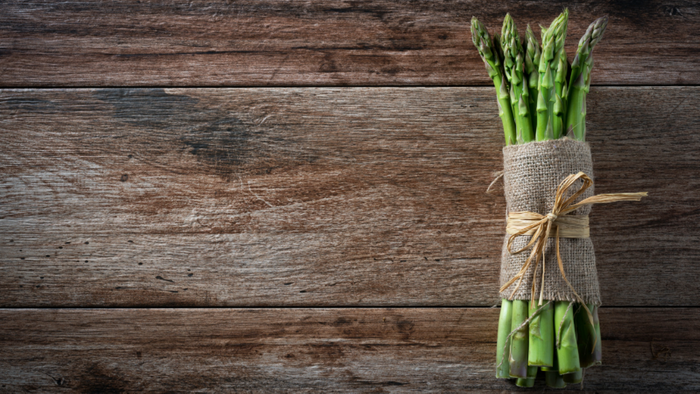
point(532, 173)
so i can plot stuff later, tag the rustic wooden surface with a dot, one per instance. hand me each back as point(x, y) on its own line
point(341, 235)
point(316, 196)
point(291, 350)
point(312, 43)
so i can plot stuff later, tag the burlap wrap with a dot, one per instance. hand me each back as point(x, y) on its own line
point(532, 173)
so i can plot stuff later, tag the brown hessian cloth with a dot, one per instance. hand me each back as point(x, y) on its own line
point(532, 173)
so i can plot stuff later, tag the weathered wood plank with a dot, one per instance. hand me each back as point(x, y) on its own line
point(317, 196)
point(359, 350)
point(330, 43)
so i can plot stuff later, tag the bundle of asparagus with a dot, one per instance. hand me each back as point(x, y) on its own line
point(541, 96)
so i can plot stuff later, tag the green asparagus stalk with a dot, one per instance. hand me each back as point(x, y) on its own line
point(552, 377)
point(575, 377)
point(560, 85)
point(559, 106)
point(541, 116)
point(503, 351)
point(494, 67)
point(541, 346)
point(586, 334)
point(580, 80)
point(565, 333)
point(554, 380)
point(532, 63)
point(558, 121)
point(562, 68)
point(530, 380)
point(598, 350)
point(519, 340)
point(514, 67)
point(498, 50)
point(550, 61)
point(597, 357)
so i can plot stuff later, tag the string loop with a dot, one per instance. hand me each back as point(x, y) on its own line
point(556, 224)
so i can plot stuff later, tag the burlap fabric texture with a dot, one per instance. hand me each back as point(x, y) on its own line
point(532, 173)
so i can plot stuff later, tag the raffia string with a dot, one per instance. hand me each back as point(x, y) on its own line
point(542, 226)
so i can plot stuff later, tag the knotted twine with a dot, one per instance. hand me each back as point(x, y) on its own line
point(540, 228)
point(530, 171)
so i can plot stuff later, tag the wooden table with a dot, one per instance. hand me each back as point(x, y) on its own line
point(289, 196)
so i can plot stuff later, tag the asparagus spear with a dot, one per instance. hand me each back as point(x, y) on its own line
point(519, 340)
point(532, 63)
point(560, 86)
point(550, 62)
point(554, 380)
point(530, 380)
point(541, 346)
point(504, 328)
point(586, 334)
point(498, 49)
point(514, 67)
point(575, 377)
point(580, 80)
point(541, 115)
point(552, 377)
point(597, 355)
point(558, 121)
point(567, 350)
point(483, 43)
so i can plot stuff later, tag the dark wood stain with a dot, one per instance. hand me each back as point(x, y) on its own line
point(330, 43)
point(375, 197)
point(96, 379)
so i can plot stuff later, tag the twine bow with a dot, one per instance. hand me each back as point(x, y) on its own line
point(541, 226)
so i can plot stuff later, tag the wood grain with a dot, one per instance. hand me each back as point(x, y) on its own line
point(317, 196)
point(282, 350)
point(329, 43)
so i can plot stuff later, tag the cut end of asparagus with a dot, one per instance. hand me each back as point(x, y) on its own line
point(554, 380)
point(519, 340)
point(572, 378)
point(525, 382)
point(541, 346)
point(503, 345)
point(565, 332)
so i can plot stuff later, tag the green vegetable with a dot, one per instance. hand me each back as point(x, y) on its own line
point(565, 333)
point(494, 67)
point(532, 63)
point(575, 377)
point(530, 380)
point(588, 337)
point(519, 340)
point(554, 380)
point(514, 67)
point(549, 68)
point(541, 346)
point(598, 350)
point(580, 80)
point(503, 351)
point(552, 377)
